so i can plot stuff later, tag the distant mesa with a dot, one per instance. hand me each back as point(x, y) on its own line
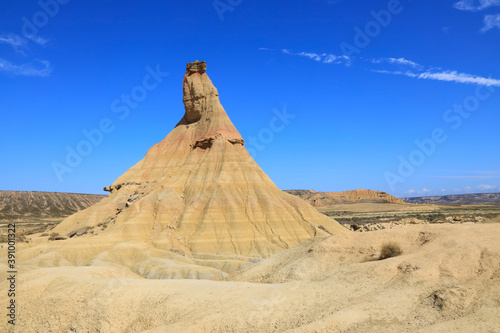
point(32, 206)
point(458, 199)
point(319, 199)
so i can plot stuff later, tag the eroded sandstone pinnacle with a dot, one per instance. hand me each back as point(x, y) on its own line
point(196, 67)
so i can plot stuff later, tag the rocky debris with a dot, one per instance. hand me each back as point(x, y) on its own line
point(104, 225)
point(410, 221)
point(55, 236)
point(325, 229)
point(78, 232)
point(116, 186)
point(380, 225)
point(199, 67)
point(133, 197)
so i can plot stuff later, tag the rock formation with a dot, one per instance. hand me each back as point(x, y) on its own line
point(30, 206)
point(198, 192)
point(318, 199)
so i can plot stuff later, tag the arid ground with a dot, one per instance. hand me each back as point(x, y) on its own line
point(447, 279)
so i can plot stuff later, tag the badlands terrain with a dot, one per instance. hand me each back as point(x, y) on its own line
point(197, 238)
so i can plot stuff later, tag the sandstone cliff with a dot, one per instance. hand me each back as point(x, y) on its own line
point(319, 199)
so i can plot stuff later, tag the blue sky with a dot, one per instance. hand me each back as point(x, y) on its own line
point(399, 96)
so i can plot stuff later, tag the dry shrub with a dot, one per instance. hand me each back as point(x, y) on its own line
point(389, 250)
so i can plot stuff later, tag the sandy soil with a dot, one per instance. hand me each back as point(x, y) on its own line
point(377, 207)
point(446, 280)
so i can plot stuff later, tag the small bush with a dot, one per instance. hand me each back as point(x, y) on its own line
point(390, 250)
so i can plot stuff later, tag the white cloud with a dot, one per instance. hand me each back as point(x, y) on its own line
point(472, 174)
point(416, 70)
point(18, 43)
point(13, 39)
point(490, 22)
point(425, 191)
point(26, 69)
point(402, 61)
point(313, 56)
point(488, 187)
point(324, 57)
point(334, 59)
point(411, 192)
point(454, 76)
point(475, 5)
point(37, 39)
point(449, 76)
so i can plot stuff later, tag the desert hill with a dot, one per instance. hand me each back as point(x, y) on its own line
point(196, 206)
point(458, 199)
point(21, 206)
point(319, 199)
point(446, 280)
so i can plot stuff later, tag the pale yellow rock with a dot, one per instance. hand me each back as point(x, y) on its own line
point(197, 193)
point(446, 280)
point(320, 199)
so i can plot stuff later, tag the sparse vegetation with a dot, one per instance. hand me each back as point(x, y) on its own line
point(365, 215)
point(389, 250)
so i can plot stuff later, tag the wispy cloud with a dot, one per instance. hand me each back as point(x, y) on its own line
point(490, 22)
point(475, 5)
point(17, 42)
point(424, 191)
point(449, 76)
point(467, 189)
point(326, 58)
point(26, 69)
point(400, 66)
point(472, 174)
point(397, 61)
point(488, 187)
point(37, 39)
point(21, 44)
